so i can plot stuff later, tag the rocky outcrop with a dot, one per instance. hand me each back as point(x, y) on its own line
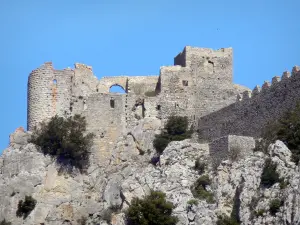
point(101, 195)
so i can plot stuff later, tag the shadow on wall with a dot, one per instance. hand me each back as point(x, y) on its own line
point(117, 89)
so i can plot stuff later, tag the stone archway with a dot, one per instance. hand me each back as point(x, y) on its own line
point(116, 88)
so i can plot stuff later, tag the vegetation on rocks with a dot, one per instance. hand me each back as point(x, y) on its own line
point(176, 129)
point(286, 129)
point(25, 207)
point(275, 204)
point(269, 175)
point(65, 139)
point(199, 189)
point(226, 220)
point(152, 210)
point(200, 166)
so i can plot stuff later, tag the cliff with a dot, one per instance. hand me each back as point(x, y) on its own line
point(67, 198)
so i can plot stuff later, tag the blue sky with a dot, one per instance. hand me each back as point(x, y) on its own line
point(136, 37)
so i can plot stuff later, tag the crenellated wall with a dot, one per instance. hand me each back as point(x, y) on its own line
point(252, 110)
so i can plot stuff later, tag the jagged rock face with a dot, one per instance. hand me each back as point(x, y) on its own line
point(66, 198)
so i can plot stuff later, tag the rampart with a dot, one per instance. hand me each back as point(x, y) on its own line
point(199, 83)
point(253, 110)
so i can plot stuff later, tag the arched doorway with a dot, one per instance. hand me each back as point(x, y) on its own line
point(117, 89)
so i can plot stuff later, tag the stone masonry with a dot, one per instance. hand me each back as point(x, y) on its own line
point(199, 86)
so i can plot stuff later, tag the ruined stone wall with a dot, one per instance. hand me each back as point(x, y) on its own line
point(253, 110)
point(49, 94)
point(105, 117)
point(235, 146)
point(141, 85)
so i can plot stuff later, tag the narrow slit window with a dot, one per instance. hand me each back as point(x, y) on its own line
point(55, 82)
point(112, 103)
point(185, 83)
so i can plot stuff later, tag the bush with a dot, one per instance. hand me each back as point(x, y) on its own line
point(226, 220)
point(234, 153)
point(286, 129)
point(200, 166)
point(260, 212)
point(275, 205)
point(25, 207)
point(198, 189)
point(152, 210)
point(269, 175)
point(176, 130)
point(65, 140)
point(4, 222)
point(192, 202)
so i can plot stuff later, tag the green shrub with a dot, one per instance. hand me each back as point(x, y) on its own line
point(234, 153)
point(226, 220)
point(192, 202)
point(260, 212)
point(176, 129)
point(269, 175)
point(4, 222)
point(160, 143)
point(65, 140)
point(286, 129)
point(198, 189)
point(25, 207)
point(200, 166)
point(275, 205)
point(152, 210)
point(283, 183)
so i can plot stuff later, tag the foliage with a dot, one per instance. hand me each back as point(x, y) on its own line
point(25, 207)
point(283, 183)
point(200, 166)
point(262, 145)
point(65, 140)
point(199, 189)
point(269, 175)
point(275, 205)
point(260, 212)
point(226, 220)
point(192, 202)
point(152, 210)
point(234, 153)
point(176, 129)
point(4, 222)
point(286, 129)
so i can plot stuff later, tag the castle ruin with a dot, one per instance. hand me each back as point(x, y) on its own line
point(199, 86)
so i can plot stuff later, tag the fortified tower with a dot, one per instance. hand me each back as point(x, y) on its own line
point(49, 93)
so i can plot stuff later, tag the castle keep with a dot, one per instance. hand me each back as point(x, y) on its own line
point(199, 85)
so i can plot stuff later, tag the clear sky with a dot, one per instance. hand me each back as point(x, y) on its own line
point(136, 37)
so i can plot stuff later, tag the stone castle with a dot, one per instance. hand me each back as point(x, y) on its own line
point(199, 85)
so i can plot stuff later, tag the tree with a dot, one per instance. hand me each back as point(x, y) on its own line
point(152, 210)
point(65, 139)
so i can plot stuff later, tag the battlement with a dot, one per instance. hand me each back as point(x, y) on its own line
point(254, 109)
point(276, 83)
